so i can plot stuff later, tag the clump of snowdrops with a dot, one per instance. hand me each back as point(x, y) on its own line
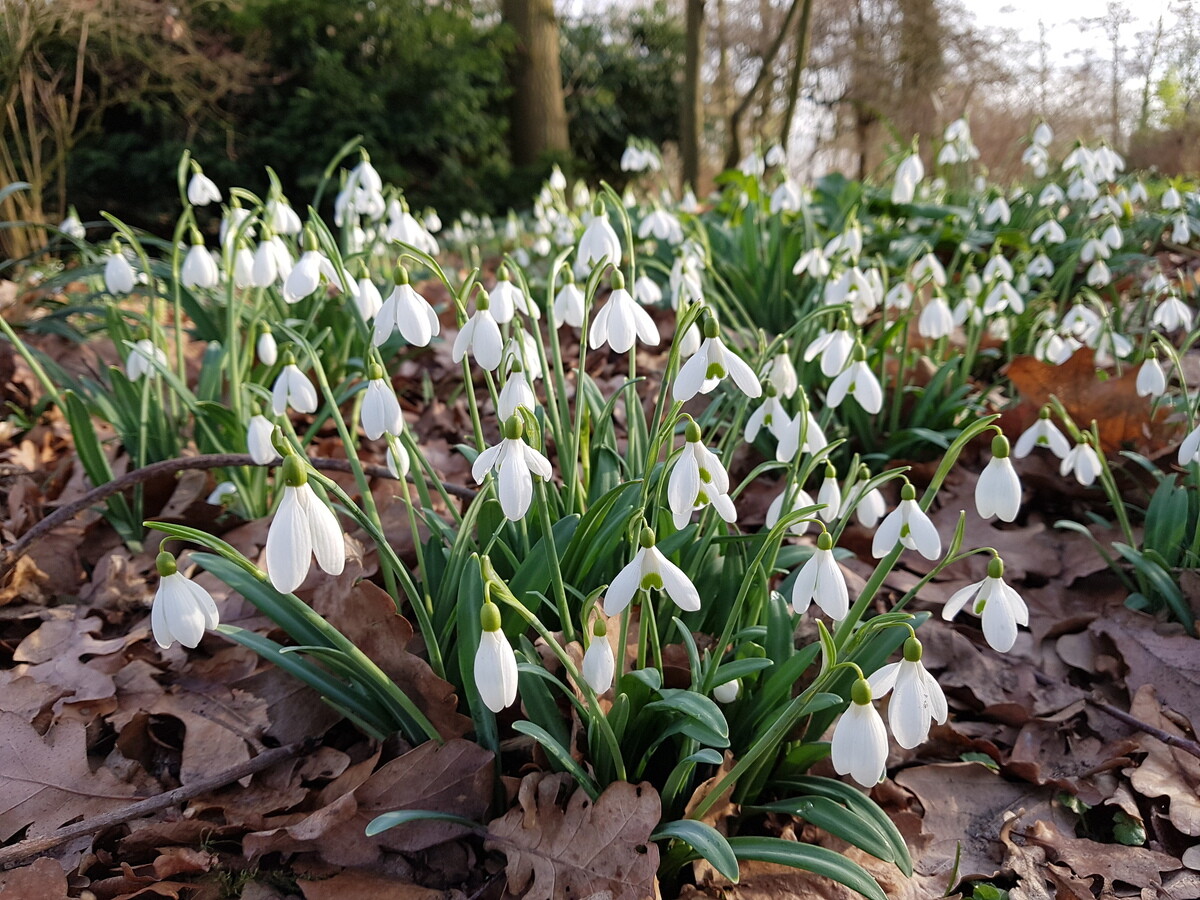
point(604, 534)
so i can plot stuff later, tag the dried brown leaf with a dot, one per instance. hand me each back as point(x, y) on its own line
point(1137, 866)
point(46, 782)
point(351, 885)
point(1166, 771)
point(584, 849)
point(41, 880)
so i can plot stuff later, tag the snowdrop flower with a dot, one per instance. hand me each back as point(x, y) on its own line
point(293, 389)
point(515, 393)
point(997, 211)
point(599, 664)
point(1037, 159)
point(480, 335)
point(232, 224)
point(646, 291)
point(1001, 297)
point(265, 347)
point(775, 156)
point(660, 225)
point(303, 527)
point(910, 526)
point(698, 479)
point(368, 299)
point(380, 409)
point(929, 266)
point(710, 364)
point(803, 435)
point(936, 321)
point(908, 175)
point(138, 363)
point(858, 381)
point(1181, 233)
point(728, 691)
point(868, 504)
point(507, 300)
point(621, 321)
point(1093, 249)
point(770, 415)
point(1082, 462)
point(859, 747)
point(258, 440)
point(830, 495)
point(282, 218)
point(271, 260)
point(199, 269)
point(801, 500)
point(998, 605)
point(569, 303)
point(1172, 314)
point(998, 491)
point(1042, 433)
point(1040, 266)
point(1189, 450)
point(834, 347)
point(899, 296)
point(408, 312)
point(514, 463)
point(1051, 195)
point(404, 228)
point(598, 242)
point(119, 276)
point(786, 197)
point(997, 268)
point(220, 492)
point(182, 609)
point(201, 189)
point(812, 262)
point(917, 701)
point(1151, 379)
point(1043, 135)
point(495, 662)
point(1171, 199)
point(305, 276)
point(1053, 349)
point(781, 373)
point(1049, 232)
point(397, 461)
point(821, 579)
point(650, 570)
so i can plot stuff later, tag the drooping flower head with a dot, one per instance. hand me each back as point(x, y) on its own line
point(514, 464)
point(495, 662)
point(917, 698)
point(303, 527)
point(821, 580)
point(910, 526)
point(860, 746)
point(650, 570)
point(1000, 608)
point(998, 491)
point(406, 311)
point(182, 609)
point(711, 364)
point(599, 663)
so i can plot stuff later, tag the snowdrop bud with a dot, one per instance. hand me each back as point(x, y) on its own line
point(199, 269)
point(599, 664)
point(727, 692)
point(119, 277)
point(258, 440)
point(182, 609)
point(830, 494)
point(201, 190)
point(495, 662)
point(266, 348)
point(859, 747)
point(998, 491)
point(1151, 379)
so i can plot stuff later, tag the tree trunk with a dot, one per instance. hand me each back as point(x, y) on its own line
point(691, 120)
point(799, 61)
point(539, 117)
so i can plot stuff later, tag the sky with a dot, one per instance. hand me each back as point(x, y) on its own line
point(1063, 33)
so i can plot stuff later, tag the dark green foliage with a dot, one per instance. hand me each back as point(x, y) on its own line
point(621, 78)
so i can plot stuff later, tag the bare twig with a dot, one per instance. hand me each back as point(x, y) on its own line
point(1185, 744)
point(168, 466)
point(18, 853)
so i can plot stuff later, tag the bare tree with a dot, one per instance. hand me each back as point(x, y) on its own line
point(691, 118)
point(539, 116)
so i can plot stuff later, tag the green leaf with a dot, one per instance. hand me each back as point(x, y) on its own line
point(383, 822)
point(561, 755)
point(705, 840)
point(863, 806)
point(694, 706)
point(1128, 829)
point(838, 820)
point(818, 860)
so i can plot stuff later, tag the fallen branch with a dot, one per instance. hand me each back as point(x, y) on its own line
point(169, 466)
point(1185, 744)
point(18, 853)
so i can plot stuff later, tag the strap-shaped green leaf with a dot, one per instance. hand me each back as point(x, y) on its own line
point(818, 860)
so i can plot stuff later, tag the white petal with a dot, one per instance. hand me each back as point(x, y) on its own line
point(675, 583)
point(515, 485)
point(485, 462)
point(887, 534)
point(624, 586)
point(158, 619)
point(289, 544)
point(690, 377)
point(832, 595)
point(908, 713)
point(883, 680)
point(743, 376)
point(327, 543)
point(924, 535)
point(599, 665)
point(488, 346)
point(804, 589)
point(496, 671)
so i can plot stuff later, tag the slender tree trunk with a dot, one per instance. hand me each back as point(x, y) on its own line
point(539, 116)
point(799, 62)
point(691, 122)
point(733, 147)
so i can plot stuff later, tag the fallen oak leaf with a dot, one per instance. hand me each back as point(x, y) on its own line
point(44, 879)
point(46, 781)
point(1137, 866)
point(1166, 771)
point(583, 849)
point(1124, 419)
